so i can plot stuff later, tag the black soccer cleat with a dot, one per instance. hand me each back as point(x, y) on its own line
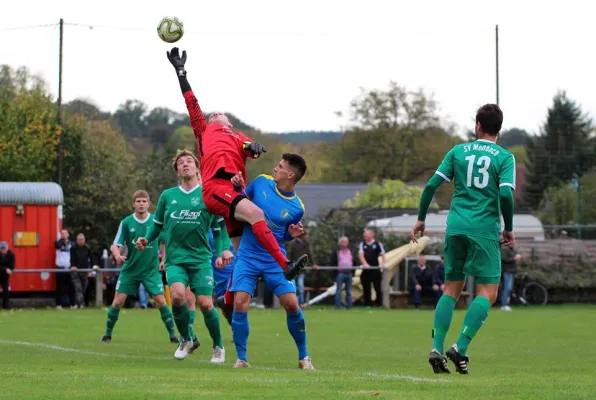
point(106, 339)
point(293, 268)
point(174, 339)
point(227, 310)
point(438, 362)
point(461, 362)
point(195, 345)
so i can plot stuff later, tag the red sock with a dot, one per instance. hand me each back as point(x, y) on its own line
point(229, 298)
point(267, 240)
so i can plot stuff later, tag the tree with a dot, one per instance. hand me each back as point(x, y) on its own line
point(28, 133)
point(99, 179)
point(563, 148)
point(85, 108)
point(520, 153)
point(395, 134)
point(182, 138)
point(130, 118)
point(559, 205)
point(513, 137)
point(388, 194)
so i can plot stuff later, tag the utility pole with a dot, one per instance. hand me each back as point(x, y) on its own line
point(497, 58)
point(59, 118)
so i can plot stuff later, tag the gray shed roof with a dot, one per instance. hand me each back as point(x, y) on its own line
point(40, 193)
point(319, 198)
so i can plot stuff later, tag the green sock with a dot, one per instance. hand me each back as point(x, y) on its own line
point(193, 317)
point(212, 323)
point(182, 319)
point(443, 317)
point(475, 317)
point(168, 319)
point(113, 314)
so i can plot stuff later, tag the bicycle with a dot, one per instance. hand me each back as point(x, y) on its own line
point(528, 292)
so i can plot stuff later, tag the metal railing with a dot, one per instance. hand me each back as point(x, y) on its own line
point(385, 285)
point(98, 277)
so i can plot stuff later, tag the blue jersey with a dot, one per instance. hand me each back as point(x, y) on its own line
point(281, 210)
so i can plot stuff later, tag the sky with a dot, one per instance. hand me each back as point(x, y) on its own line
point(290, 65)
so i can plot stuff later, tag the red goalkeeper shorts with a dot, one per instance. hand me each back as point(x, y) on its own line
point(221, 199)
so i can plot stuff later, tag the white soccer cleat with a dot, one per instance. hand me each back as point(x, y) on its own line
point(305, 363)
point(183, 350)
point(218, 356)
point(505, 308)
point(241, 364)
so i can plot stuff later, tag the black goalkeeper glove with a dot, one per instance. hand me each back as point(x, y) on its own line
point(177, 61)
point(254, 149)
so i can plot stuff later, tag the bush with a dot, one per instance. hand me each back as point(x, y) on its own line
point(580, 275)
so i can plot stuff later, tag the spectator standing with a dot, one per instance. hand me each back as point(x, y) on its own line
point(7, 262)
point(424, 282)
point(343, 258)
point(296, 248)
point(509, 260)
point(370, 251)
point(81, 257)
point(63, 283)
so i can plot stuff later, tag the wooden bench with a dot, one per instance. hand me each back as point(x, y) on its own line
point(400, 299)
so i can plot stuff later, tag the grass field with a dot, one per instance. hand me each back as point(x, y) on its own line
point(540, 353)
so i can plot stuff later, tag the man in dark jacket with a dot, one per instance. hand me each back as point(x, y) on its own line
point(81, 257)
point(424, 282)
point(509, 260)
point(7, 261)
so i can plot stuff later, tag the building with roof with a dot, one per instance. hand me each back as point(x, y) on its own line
point(30, 219)
point(526, 226)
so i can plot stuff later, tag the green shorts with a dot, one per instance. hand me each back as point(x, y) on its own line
point(198, 278)
point(129, 284)
point(472, 256)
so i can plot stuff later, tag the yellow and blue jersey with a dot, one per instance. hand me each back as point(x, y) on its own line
point(281, 210)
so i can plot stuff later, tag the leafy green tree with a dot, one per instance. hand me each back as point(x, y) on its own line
point(563, 148)
point(513, 137)
point(99, 179)
point(395, 134)
point(388, 194)
point(28, 132)
point(520, 153)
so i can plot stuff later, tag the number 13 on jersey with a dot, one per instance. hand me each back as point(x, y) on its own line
point(480, 166)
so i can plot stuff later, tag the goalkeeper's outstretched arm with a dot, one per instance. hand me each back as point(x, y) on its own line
point(197, 119)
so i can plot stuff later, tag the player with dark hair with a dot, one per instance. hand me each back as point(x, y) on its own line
point(223, 153)
point(283, 210)
point(484, 175)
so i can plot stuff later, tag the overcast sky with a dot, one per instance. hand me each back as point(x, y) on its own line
point(285, 65)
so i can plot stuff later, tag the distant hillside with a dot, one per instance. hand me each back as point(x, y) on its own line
point(309, 136)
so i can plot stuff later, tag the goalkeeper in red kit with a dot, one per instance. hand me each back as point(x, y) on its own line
point(222, 154)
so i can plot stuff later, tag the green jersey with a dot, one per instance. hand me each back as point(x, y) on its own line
point(186, 223)
point(138, 263)
point(479, 169)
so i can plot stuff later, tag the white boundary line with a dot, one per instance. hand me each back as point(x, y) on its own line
point(374, 375)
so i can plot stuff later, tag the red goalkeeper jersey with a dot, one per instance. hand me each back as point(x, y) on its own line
point(218, 147)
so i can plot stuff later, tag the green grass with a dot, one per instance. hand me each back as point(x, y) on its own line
point(540, 353)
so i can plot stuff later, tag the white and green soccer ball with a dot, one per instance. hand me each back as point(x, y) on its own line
point(170, 29)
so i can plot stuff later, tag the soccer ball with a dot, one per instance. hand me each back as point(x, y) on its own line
point(170, 29)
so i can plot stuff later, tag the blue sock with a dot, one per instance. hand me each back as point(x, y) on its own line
point(297, 328)
point(240, 331)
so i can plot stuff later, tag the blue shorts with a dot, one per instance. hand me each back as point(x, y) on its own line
point(222, 278)
point(247, 271)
